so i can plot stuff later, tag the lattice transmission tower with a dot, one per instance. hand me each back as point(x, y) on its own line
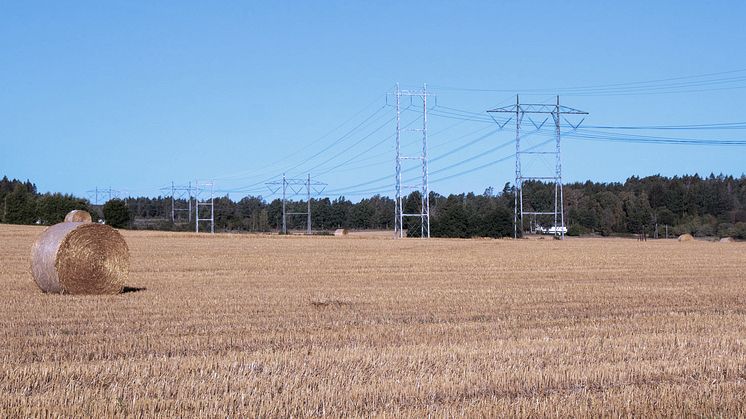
point(179, 194)
point(204, 202)
point(97, 194)
point(422, 186)
point(557, 112)
point(296, 186)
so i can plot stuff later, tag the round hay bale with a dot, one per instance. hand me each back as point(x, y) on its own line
point(80, 258)
point(340, 232)
point(78, 216)
point(726, 240)
point(686, 238)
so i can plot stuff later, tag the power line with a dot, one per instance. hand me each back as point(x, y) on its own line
point(714, 126)
point(330, 163)
point(377, 144)
point(653, 86)
point(452, 166)
point(310, 144)
point(388, 187)
point(353, 145)
point(337, 141)
point(450, 152)
point(647, 139)
point(431, 147)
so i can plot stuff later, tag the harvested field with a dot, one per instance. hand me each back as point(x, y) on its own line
point(247, 325)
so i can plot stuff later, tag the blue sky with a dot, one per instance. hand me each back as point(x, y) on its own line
point(134, 94)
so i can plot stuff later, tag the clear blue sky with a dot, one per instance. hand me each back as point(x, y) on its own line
point(135, 94)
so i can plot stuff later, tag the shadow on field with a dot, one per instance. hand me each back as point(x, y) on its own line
point(126, 290)
point(330, 303)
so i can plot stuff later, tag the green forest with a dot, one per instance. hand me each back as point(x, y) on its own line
point(712, 206)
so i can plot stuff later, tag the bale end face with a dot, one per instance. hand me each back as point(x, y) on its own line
point(80, 258)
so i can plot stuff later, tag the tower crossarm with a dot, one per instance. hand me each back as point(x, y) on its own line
point(538, 108)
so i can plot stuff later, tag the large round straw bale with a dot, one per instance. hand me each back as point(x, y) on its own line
point(340, 232)
point(78, 216)
point(80, 258)
point(726, 240)
point(686, 238)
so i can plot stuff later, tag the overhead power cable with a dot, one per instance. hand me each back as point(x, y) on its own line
point(336, 142)
point(308, 145)
point(646, 139)
point(434, 146)
point(715, 126)
point(348, 148)
point(449, 167)
point(682, 84)
point(388, 188)
point(411, 169)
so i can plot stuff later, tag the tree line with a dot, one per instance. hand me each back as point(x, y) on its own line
point(23, 204)
point(702, 206)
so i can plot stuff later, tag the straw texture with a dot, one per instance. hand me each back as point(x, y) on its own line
point(80, 258)
point(686, 238)
point(78, 216)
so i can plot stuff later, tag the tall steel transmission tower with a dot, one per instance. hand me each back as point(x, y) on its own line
point(422, 186)
point(204, 202)
point(94, 195)
point(519, 110)
point(178, 194)
point(296, 186)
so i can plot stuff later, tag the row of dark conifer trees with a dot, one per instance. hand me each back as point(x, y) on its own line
point(703, 206)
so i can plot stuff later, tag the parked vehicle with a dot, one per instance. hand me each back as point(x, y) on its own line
point(554, 230)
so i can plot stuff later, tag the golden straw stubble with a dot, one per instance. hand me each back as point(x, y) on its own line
point(78, 216)
point(80, 258)
point(370, 326)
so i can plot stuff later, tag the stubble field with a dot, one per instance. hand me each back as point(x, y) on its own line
point(242, 325)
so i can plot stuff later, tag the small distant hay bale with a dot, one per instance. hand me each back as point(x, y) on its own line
point(80, 258)
point(78, 216)
point(341, 232)
point(686, 238)
point(726, 240)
